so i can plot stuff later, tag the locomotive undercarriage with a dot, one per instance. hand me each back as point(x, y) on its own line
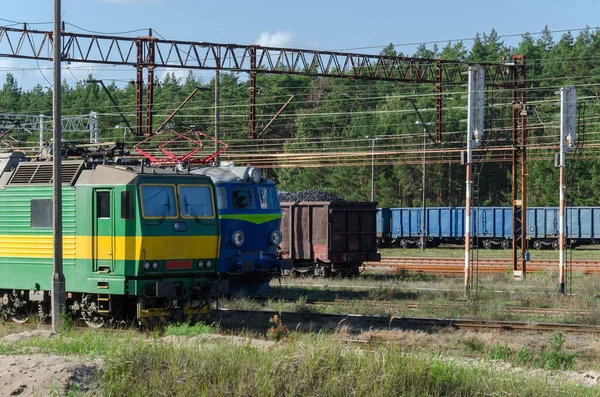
point(99, 310)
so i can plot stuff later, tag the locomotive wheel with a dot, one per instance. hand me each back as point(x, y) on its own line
point(21, 314)
point(20, 317)
point(95, 322)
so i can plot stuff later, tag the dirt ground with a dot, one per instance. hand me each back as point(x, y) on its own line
point(47, 375)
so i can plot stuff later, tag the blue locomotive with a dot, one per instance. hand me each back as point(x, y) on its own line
point(250, 217)
point(491, 226)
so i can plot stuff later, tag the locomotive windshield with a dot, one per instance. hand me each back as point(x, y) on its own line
point(158, 201)
point(252, 198)
point(195, 201)
point(242, 199)
point(268, 198)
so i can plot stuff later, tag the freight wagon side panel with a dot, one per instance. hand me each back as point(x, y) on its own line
point(434, 222)
point(303, 238)
point(353, 227)
point(585, 222)
point(572, 223)
point(485, 222)
point(319, 231)
point(580, 222)
point(502, 222)
point(414, 222)
point(286, 228)
point(383, 221)
point(396, 216)
point(596, 223)
point(552, 220)
point(458, 222)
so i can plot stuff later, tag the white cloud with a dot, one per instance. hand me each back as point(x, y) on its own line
point(180, 74)
point(277, 39)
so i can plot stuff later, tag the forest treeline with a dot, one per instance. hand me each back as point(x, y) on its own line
point(340, 113)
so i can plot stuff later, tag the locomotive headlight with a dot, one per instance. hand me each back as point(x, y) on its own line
point(209, 263)
point(200, 264)
point(237, 238)
point(276, 237)
point(155, 265)
point(255, 174)
point(146, 265)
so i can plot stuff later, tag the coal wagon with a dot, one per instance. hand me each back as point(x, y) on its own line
point(329, 238)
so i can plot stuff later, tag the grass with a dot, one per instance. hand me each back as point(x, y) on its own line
point(185, 329)
point(492, 297)
point(315, 365)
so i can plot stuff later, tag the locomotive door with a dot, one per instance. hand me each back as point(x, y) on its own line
point(103, 231)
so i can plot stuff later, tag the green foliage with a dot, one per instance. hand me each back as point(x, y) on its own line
point(66, 322)
point(554, 356)
point(499, 352)
point(523, 356)
point(474, 345)
point(185, 329)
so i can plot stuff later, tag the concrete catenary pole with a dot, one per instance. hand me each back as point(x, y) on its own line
point(58, 278)
point(217, 94)
point(475, 115)
point(41, 126)
point(568, 109)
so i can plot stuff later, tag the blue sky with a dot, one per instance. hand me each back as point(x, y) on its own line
point(323, 25)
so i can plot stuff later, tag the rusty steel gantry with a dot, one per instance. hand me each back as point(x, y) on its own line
point(149, 52)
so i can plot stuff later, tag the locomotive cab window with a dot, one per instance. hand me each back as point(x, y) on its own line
point(41, 213)
point(103, 204)
point(222, 197)
point(268, 198)
point(126, 205)
point(195, 201)
point(158, 201)
point(242, 199)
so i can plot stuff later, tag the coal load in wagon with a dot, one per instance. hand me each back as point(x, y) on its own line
point(308, 196)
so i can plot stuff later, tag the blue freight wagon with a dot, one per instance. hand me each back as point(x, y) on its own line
point(491, 227)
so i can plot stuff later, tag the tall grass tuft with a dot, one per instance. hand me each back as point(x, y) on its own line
point(554, 356)
point(185, 329)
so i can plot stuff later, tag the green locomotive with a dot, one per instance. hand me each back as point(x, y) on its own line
point(136, 245)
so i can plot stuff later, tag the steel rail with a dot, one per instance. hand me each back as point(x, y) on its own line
point(415, 306)
point(456, 265)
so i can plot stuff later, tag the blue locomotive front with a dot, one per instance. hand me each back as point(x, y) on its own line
point(250, 218)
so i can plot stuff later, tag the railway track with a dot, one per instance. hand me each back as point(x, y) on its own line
point(456, 266)
point(263, 319)
point(414, 306)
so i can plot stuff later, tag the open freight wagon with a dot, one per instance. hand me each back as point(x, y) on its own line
point(329, 238)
